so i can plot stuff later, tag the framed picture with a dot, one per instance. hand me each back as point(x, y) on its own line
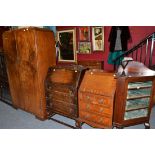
point(98, 38)
point(84, 47)
point(84, 33)
point(66, 45)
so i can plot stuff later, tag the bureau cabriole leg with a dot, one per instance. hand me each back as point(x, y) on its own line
point(119, 127)
point(147, 125)
point(78, 124)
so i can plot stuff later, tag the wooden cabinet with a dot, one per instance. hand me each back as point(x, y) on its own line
point(62, 83)
point(29, 53)
point(134, 95)
point(96, 98)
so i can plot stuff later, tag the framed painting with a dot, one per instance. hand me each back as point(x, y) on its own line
point(98, 38)
point(84, 47)
point(84, 33)
point(66, 45)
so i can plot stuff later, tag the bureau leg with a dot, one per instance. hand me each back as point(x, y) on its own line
point(119, 127)
point(147, 125)
point(78, 124)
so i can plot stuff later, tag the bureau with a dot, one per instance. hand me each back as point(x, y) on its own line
point(134, 95)
point(96, 98)
point(61, 87)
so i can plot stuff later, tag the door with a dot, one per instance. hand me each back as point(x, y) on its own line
point(27, 66)
point(11, 54)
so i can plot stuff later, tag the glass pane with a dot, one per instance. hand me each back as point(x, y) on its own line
point(138, 93)
point(137, 103)
point(139, 84)
point(135, 114)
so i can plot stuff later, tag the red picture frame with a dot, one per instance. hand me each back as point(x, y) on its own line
point(84, 33)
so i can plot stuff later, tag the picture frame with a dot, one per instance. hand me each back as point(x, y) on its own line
point(98, 38)
point(84, 47)
point(84, 33)
point(66, 40)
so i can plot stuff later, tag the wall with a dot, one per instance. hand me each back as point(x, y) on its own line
point(137, 34)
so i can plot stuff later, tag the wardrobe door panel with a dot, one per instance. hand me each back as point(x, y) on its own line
point(27, 66)
point(11, 55)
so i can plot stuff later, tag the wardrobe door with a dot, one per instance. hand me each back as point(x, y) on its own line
point(11, 55)
point(46, 58)
point(27, 66)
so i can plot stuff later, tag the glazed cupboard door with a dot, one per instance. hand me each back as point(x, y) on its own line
point(27, 67)
point(138, 100)
point(134, 101)
point(11, 55)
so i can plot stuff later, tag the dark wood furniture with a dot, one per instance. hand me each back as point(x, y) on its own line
point(91, 64)
point(61, 86)
point(5, 95)
point(134, 95)
point(4, 84)
point(29, 53)
point(96, 98)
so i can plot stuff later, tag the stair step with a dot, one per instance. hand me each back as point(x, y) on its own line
point(152, 67)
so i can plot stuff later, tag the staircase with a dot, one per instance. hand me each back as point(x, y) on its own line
point(143, 52)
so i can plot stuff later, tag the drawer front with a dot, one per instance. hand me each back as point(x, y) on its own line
point(61, 96)
point(59, 88)
point(67, 109)
point(95, 99)
point(96, 109)
point(105, 121)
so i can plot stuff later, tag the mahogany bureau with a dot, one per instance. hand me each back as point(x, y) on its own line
point(96, 97)
point(61, 87)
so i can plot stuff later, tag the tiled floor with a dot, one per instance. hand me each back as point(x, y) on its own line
point(11, 118)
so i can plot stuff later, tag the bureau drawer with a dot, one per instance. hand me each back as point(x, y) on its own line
point(56, 95)
point(68, 109)
point(99, 119)
point(59, 88)
point(96, 108)
point(95, 99)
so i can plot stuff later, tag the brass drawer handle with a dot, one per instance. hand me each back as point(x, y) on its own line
point(87, 97)
point(70, 93)
point(100, 120)
point(101, 110)
point(87, 106)
point(101, 101)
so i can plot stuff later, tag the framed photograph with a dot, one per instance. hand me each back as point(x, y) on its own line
point(84, 47)
point(66, 45)
point(98, 38)
point(84, 33)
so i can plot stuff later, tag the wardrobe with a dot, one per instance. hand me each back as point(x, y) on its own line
point(29, 53)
